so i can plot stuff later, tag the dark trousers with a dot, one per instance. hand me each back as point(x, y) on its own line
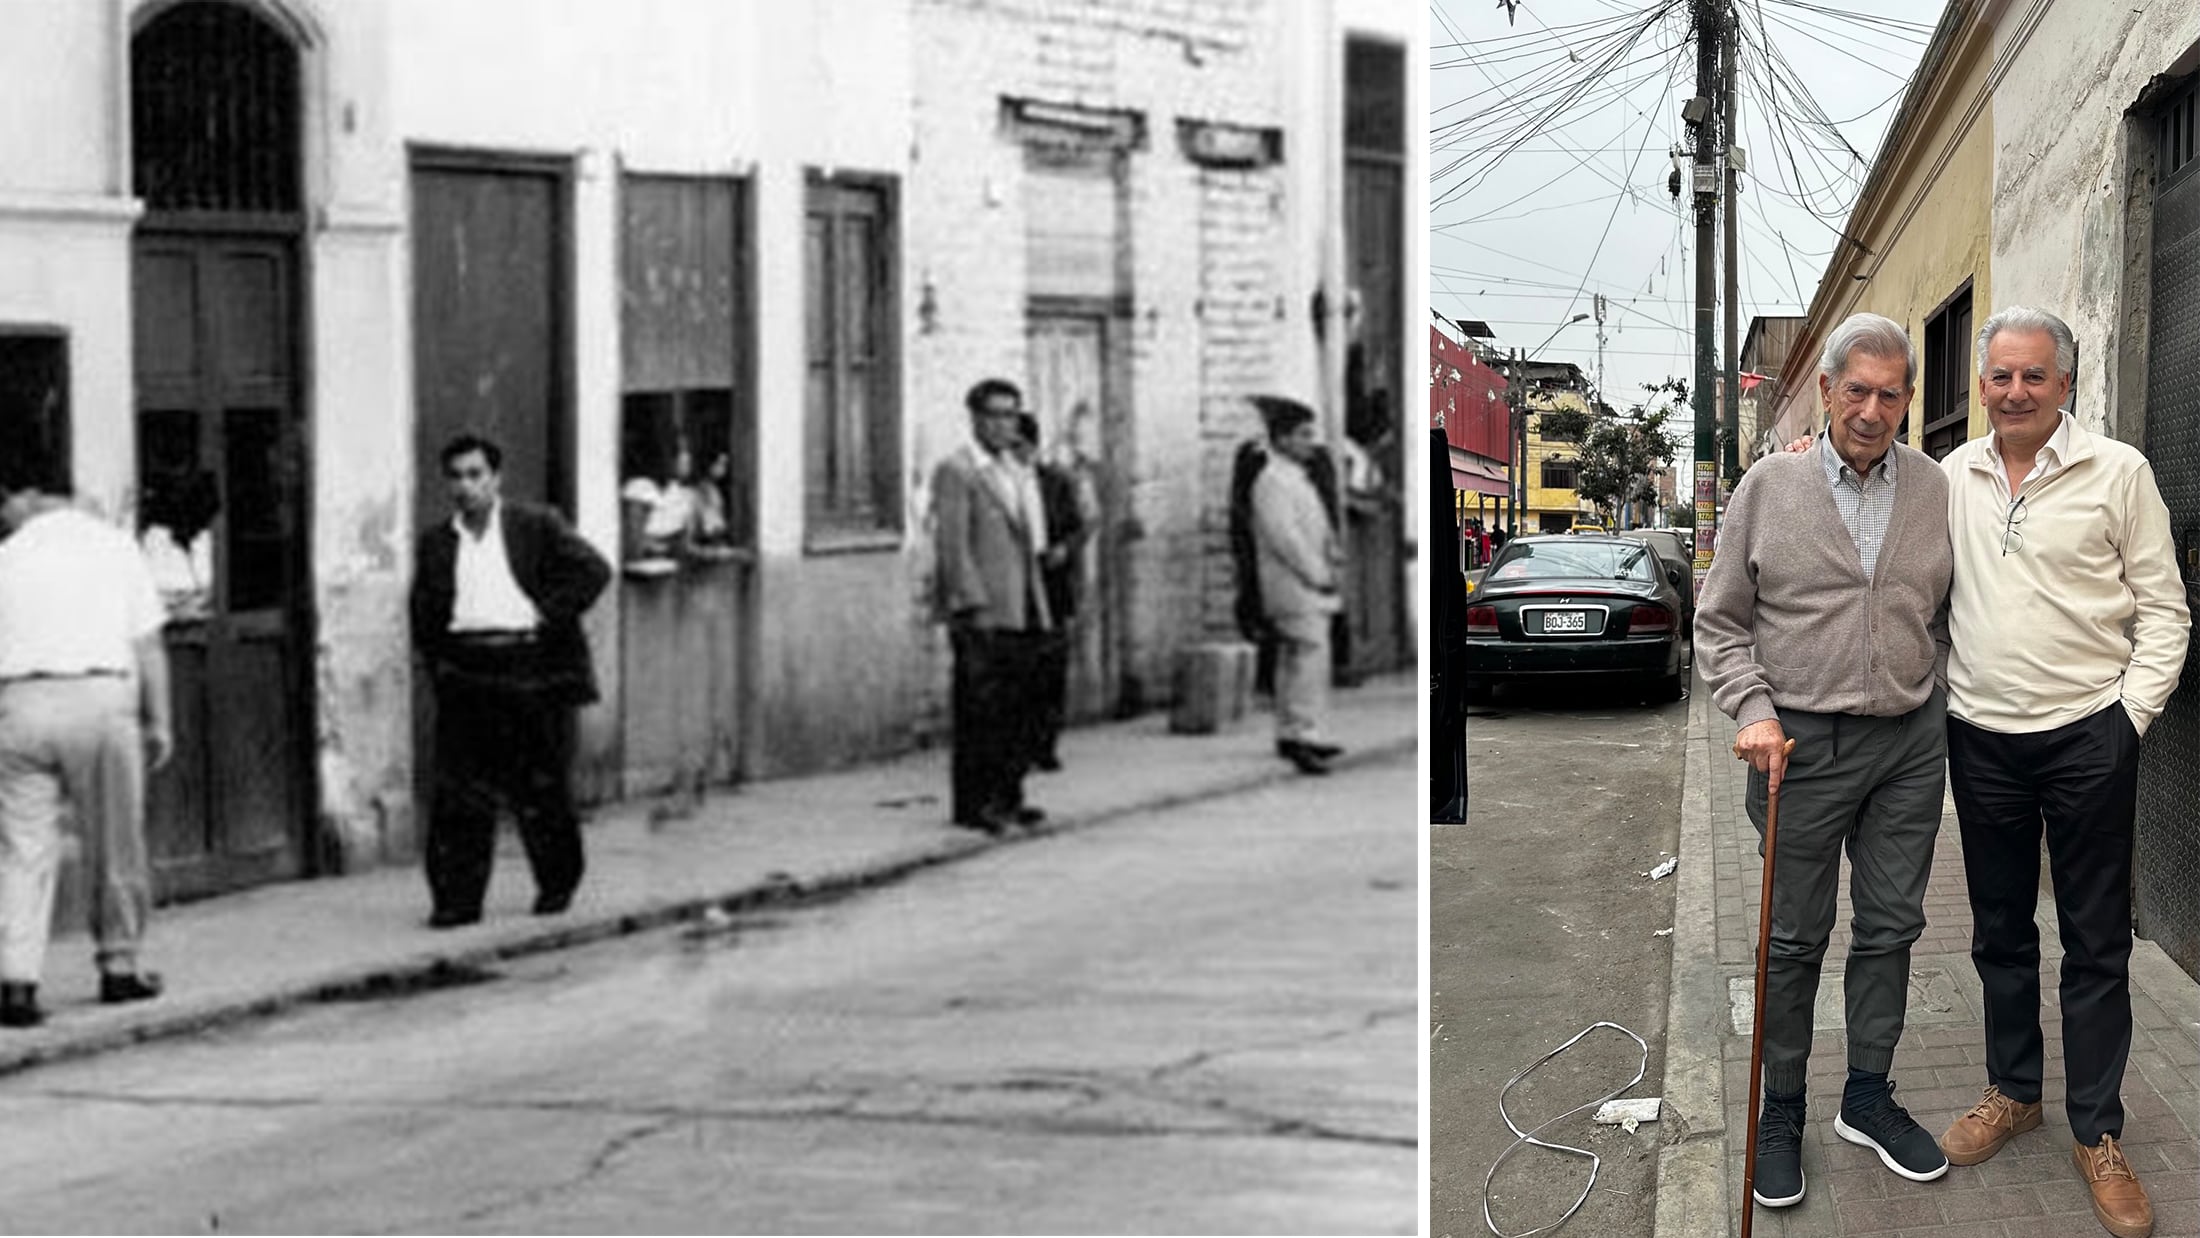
point(994, 719)
point(2081, 782)
point(1872, 786)
point(499, 735)
point(1050, 687)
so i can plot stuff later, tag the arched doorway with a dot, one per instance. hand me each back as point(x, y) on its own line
point(221, 465)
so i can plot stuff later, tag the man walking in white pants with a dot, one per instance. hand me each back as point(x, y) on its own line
point(83, 706)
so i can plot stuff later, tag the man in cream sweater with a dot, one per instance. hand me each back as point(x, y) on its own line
point(2069, 625)
point(1820, 622)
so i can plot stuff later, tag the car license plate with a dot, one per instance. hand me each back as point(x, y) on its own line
point(1565, 621)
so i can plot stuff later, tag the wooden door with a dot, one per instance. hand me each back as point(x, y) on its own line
point(220, 476)
point(489, 321)
point(1080, 431)
point(1375, 600)
point(489, 341)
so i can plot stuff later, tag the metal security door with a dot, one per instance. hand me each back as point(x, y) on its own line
point(2167, 861)
point(219, 486)
point(1069, 396)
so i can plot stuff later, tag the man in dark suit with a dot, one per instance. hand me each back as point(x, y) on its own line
point(990, 524)
point(1066, 531)
point(497, 598)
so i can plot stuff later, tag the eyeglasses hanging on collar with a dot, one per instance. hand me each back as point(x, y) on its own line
point(2012, 529)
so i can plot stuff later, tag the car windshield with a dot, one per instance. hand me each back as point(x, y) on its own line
point(1549, 560)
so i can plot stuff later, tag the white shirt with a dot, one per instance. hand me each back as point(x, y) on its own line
point(489, 598)
point(75, 595)
point(1021, 480)
point(2048, 463)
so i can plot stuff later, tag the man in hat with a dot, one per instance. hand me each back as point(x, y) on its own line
point(990, 522)
point(1297, 558)
point(83, 712)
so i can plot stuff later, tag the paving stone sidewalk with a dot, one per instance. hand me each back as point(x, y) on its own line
point(256, 952)
point(2029, 1190)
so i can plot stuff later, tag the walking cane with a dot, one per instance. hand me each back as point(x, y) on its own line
point(1757, 1011)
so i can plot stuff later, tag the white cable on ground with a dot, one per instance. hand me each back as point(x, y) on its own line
point(1529, 1137)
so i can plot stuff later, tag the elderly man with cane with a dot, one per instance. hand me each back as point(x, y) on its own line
point(1822, 625)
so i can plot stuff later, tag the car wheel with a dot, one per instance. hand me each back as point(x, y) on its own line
point(1667, 688)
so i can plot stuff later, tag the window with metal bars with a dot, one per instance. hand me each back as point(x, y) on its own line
point(2178, 127)
point(1375, 97)
point(214, 112)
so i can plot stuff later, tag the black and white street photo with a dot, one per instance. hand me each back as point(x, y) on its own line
point(635, 616)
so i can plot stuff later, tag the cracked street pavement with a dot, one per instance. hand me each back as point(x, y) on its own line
point(1197, 1020)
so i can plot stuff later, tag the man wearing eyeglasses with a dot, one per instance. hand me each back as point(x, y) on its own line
point(2069, 625)
point(1821, 622)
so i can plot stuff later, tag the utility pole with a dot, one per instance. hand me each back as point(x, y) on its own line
point(1626, 506)
point(1702, 112)
point(1731, 464)
point(1519, 393)
point(1600, 306)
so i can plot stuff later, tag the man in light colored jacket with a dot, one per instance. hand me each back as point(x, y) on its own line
point(1819, 622)
point(2069, 624)
point(1298, 560)
point(990, 531)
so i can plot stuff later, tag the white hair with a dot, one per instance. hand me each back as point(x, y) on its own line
point(2025, 318)
point(1874, 335)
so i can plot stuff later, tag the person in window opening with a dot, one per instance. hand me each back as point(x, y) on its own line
point(991, 540)
point(178, 542)
point(84, 713)
point(1066, 532)
point(1298, 558)
point(669, 512)
point(713, 531)
point(496, 605)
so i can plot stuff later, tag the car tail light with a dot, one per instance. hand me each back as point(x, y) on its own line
point(1650, 619)
point(1481, 621)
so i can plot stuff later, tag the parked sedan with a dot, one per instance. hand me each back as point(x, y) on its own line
point(1672, 552)
point(1577, 606)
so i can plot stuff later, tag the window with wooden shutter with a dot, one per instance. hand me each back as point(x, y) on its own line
point(1948, 356)
point(852, 462)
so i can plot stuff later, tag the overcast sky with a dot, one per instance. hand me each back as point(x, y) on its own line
point(1514, 234)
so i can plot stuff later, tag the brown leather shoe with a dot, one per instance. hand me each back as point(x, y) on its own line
point(1993, 1122)
point(2119, 1202)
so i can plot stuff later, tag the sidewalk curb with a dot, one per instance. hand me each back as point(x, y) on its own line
point(429, 969)
point(1691, 1182)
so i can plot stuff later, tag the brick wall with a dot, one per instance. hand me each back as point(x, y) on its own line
point(1206, 249)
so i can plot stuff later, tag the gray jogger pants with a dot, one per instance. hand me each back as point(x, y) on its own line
point(1874, 786)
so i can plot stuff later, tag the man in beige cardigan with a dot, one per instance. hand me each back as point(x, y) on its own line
point(1819, 622)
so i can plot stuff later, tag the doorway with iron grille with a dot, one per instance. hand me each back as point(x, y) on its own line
point(2166, 862)
point(221, 455)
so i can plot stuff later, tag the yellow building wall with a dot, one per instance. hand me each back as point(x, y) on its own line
point(1937, 225)
point(1932, 229)
point(1551, 499)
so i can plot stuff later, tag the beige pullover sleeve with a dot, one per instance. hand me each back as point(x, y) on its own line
point(2162, 623)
